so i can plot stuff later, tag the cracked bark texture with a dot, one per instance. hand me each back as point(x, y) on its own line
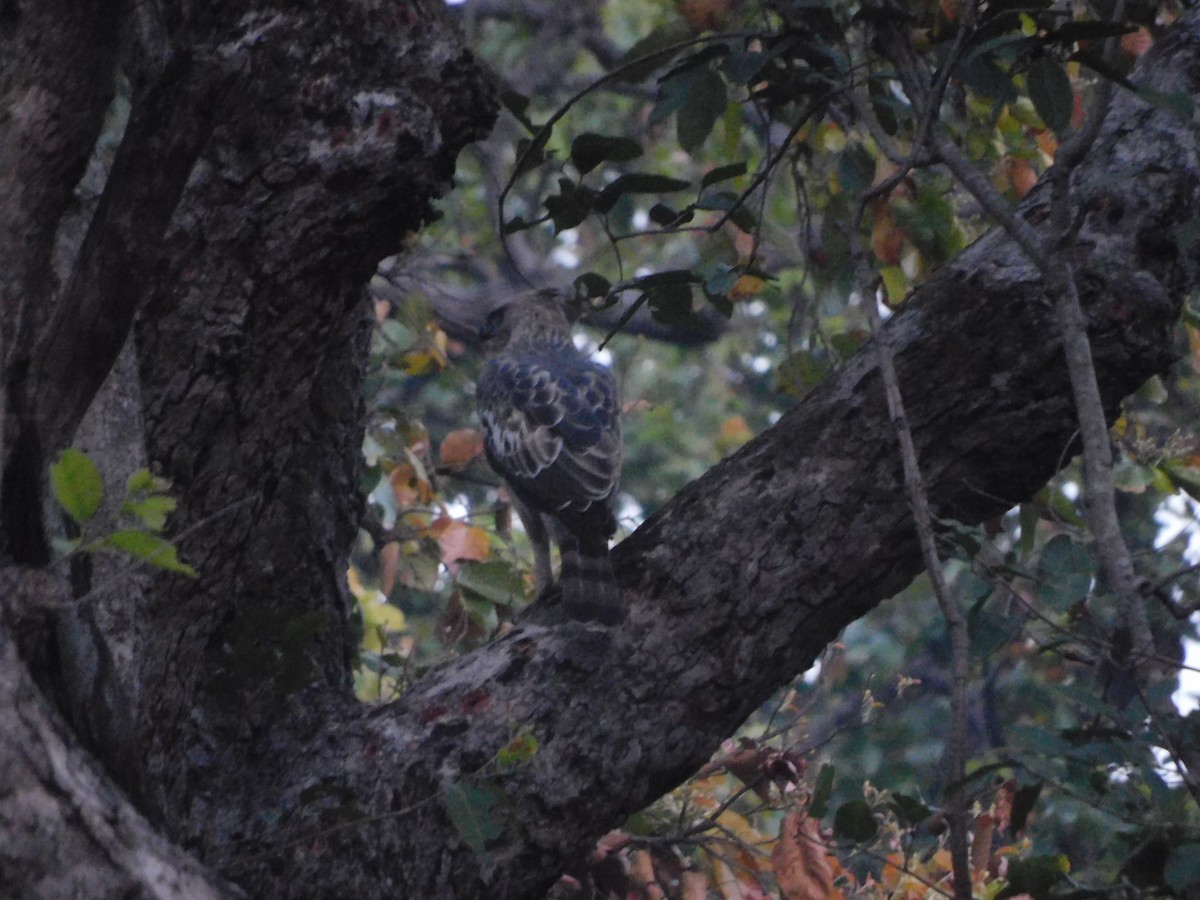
point(309, 141)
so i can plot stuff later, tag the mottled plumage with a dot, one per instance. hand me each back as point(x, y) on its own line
point(551, 429)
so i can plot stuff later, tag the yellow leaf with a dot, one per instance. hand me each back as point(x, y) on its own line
point(421, 362)
point(747, 286)
point(408, 486)
point(895, 282)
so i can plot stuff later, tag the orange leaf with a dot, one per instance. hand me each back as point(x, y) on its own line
point(800, 861)
point(745, 287)
point(389, 561)
point(408, 487)
point(459, 541)
point(1022, 175)
point(460, 447)
point(1047, 142)
point(887, 240)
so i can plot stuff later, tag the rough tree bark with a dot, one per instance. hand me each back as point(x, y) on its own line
point(316, 137)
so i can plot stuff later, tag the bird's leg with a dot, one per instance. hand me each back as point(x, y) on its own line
point(539, 539)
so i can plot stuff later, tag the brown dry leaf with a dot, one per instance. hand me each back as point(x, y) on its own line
point(459, 448)
point(981, 844)
point(641, 873)
point(389, 562)
point(1002, 805)
point(705, 15)
point(733, 887)
point(457, 540)
point(799, 859)
point(887, 239)
point(694, 886)
point(613, 842)
point(1022, 176)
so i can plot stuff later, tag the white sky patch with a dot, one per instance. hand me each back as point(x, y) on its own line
point(760, 364)
point(640, 220)
point(566, 251)
point(1180, 516)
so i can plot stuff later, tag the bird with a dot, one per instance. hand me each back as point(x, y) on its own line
point(552, 431)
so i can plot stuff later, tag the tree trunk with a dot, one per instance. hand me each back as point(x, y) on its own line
point(308, 143)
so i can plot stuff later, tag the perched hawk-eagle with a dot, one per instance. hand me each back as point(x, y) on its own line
point(551, 429)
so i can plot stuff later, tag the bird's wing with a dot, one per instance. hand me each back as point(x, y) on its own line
point(552, 428)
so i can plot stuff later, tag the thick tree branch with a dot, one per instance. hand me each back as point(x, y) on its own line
point(744, 577)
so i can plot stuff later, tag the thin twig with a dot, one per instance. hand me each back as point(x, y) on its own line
point(928, 105)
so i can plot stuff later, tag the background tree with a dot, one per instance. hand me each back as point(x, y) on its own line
point(245, 206)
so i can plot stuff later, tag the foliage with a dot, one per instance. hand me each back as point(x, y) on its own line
point(716, 170)
point(76, 484)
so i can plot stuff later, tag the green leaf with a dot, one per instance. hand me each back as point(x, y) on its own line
point(589, 150)
point(571, 206)
point(984, 76)
point(521, 748)
point(670, 303)
point(1050, 90)
point(854, 821)
point(590, 284)
point(531, 153)
point(495, 582)
point(855, 169)
point(819, 805)
point(721, 282)
point(661, 214)
point(75, 482)
point(1179, 103)
point(637, 183)
point(1035, 876)
point(909, 810)
point(143, 480)
point(517, 104)
point(1182, 870)
point(152, 510)
point(650, 52)
point(1064, 573)
point(149, 547)
point(723, 173)
point(703, 104)
point(477, 812)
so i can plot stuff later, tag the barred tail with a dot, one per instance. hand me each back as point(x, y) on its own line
point(589, 584)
